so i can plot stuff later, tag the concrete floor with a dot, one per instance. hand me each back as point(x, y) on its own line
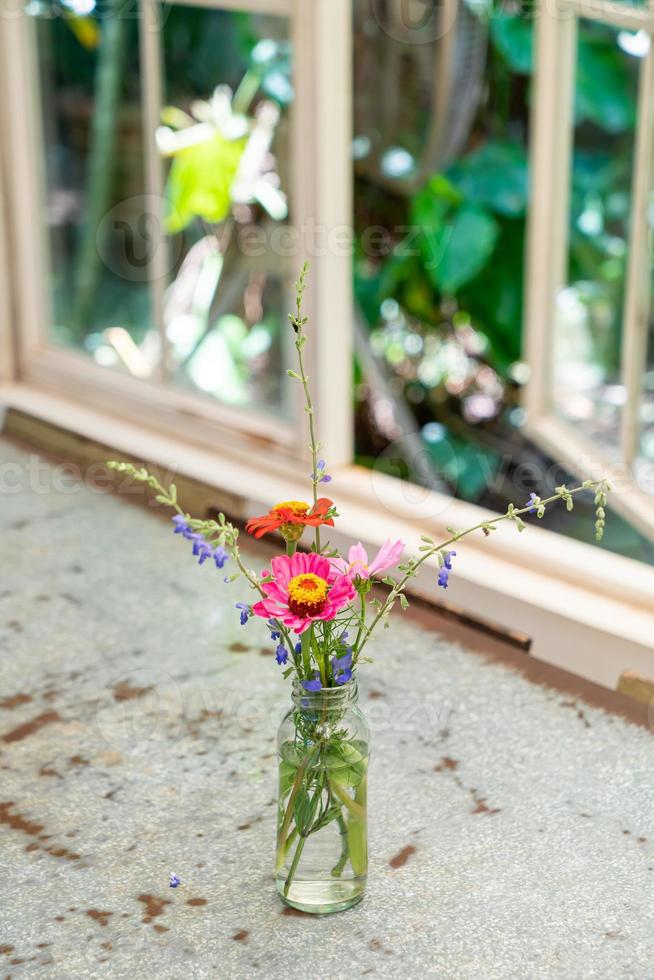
point(512, 828)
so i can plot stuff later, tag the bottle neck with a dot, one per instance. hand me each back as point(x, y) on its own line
point(327, 698)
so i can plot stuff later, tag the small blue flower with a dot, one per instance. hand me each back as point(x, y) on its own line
point(342, 667)
point(444, 574)
point(245, 612)
point(320, 476)
point(281, 654)
point(220, 556)
point(298, 648)
point(274, 632)
point(313, 685)
point(182, 527)
point(534, 501)
point(174, 881)
point(201, 549)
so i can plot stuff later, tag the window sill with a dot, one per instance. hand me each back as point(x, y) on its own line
point(586, 611)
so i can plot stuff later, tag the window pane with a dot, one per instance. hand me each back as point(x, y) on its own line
point(439, 263)
point(225, 138)
point(94, 184)
point(588, 329)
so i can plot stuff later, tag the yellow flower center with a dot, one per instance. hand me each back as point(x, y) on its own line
point(307, 594)
point(297, 507)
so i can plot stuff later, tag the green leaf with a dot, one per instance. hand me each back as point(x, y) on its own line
point(467, 245)
point(606, 84)
point(494, 298)
point(200, 181)
point(356, 834)
point(513, 37)
point(495, 177)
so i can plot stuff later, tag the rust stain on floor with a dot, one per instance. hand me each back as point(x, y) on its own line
point(102, 918)
point(481, 806)
point(17, 821)
point(153, 906)
point(195, 902)
point(125, 692)
point(31, 727)
point(14, 701)
point(446, 763)
point(402, 857)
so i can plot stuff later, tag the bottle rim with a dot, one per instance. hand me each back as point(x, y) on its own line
point(326, 696)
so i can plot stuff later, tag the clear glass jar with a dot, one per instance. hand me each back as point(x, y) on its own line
point(322, 839)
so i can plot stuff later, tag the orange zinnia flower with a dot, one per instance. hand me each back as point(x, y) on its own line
point(291, 517)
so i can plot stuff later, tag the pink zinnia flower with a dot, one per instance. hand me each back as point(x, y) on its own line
point(302, 589)
point(357, 563)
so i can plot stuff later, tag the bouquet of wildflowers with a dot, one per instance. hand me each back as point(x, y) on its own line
point(320, 611)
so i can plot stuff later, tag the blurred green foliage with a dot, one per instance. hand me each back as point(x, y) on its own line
point(472, 217)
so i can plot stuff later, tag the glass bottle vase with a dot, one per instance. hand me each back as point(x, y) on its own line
point(322, 843)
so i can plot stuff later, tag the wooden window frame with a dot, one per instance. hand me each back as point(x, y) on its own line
point(551, 159)
point(321, 198)
point(586, 610)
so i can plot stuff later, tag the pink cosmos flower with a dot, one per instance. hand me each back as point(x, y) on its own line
point(302, 589)
point(357, 563)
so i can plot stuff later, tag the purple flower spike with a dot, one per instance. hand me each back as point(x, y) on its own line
point(220, 556)
point(447, 560)
point(281, 654)
point(342, 667)
point(313, 685)
point(444, 574)
point(320, 476)
point(533, 500)
point(201, 549)
point(182, 527)
point(245, 612)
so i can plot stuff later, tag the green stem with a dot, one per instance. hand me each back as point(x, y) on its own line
point(298, 323)
point(304, 836)
point(306, 652)
point(355, 809)
point(362, 618)
point(299, 776)
point(337, 870)
point(395, 591)
point(296, 860)
point(282, 849)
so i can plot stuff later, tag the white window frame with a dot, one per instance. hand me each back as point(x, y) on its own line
point(547, 254)
point(320, 198)
point(586, 610)
point(7, 346)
